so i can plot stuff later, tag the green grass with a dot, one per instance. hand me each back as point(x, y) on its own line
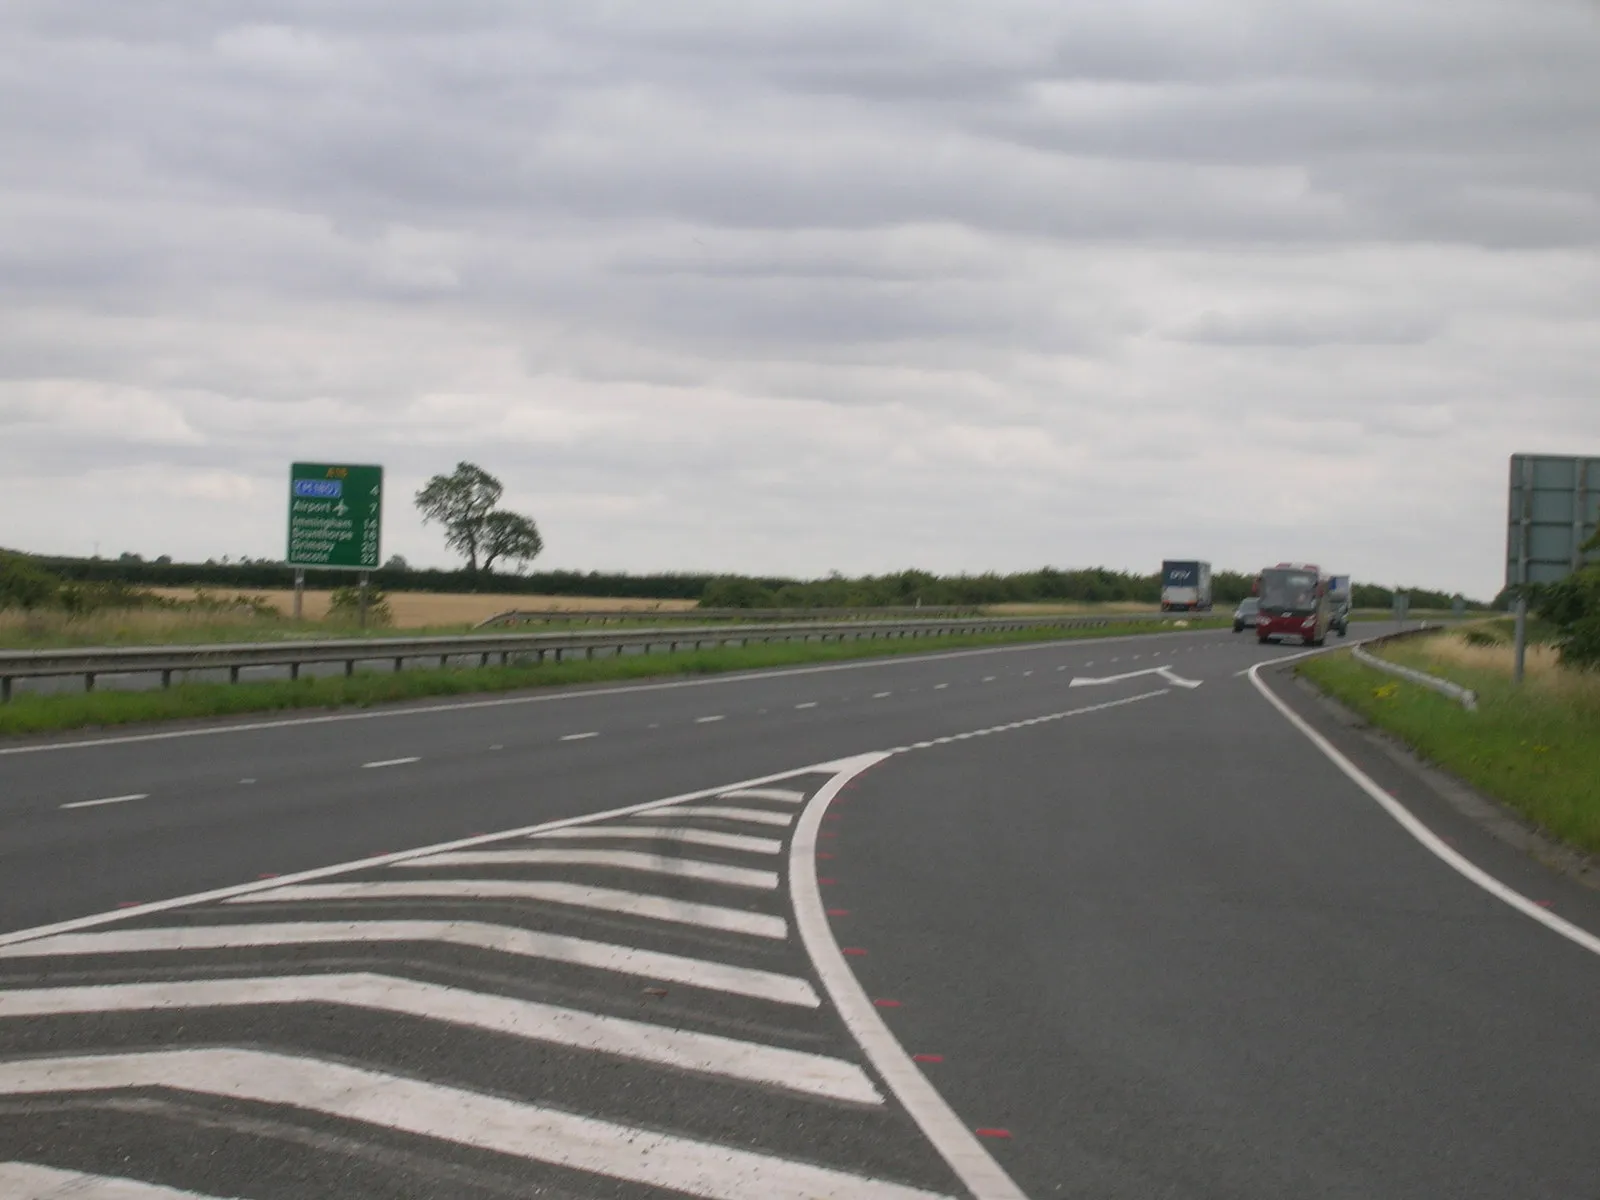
point(1536, 748)
point(77, 710)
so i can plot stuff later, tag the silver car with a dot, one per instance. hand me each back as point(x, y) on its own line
point(1247, 615)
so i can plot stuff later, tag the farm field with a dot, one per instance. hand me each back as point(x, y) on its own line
point(428, 610)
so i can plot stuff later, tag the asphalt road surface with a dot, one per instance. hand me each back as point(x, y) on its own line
point(1077, 919)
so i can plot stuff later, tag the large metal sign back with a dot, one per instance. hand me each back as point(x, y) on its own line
point(1554, 509)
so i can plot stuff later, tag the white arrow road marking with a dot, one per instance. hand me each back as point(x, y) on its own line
point(503, 939)
point(525, 1131)
point(29, 1181)
point(630, 904)
point(700, 1053)
point(696, 837)
point(1166, 673)
point(754, 816)
point(621, 860)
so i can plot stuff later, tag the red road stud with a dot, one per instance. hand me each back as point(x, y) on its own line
point(855, 951)
point(887, 1003)
point(129, 903)
point(827, 833)
point(268, 875)
point(838, 912)
point(1542, 903)
point(827, 881)
point(928, 1057)
point(1004, 1134)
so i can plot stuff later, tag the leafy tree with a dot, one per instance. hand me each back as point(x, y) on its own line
point(461, 502)
point(1573, 607)
point(24, 585)
point(397, 562)
point(510, 536)
point(735, 591)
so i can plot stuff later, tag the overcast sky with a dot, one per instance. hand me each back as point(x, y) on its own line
point(786, 287)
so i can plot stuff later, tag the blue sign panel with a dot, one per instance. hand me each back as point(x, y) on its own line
point(319, 489)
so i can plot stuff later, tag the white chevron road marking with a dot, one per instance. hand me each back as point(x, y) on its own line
point(701, 1053)
point(577, 895)
point(525, 1131)
point(753, 816)
point(692, 837)
point(29, 1181)
point(621, 860)
point(625, 960)
point(781, 795)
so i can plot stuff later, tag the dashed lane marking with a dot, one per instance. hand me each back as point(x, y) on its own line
point(881, 695)
point(621, 860)
point(708, 720)
point(521, 1130)
point(108, 800)
point(504, 939)
point(612, 900)
point(807, 704)
point(581, 737)
point(700, 1053)
point(389, 713)
point(391, 762)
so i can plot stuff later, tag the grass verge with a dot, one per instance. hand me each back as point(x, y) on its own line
point(1536, 748)
point(77, 710)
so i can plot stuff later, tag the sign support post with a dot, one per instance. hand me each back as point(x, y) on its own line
point(299, 594)
point(1521, 641)
point(364, 580)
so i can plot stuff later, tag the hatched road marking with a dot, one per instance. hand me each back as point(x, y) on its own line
point(688, 986)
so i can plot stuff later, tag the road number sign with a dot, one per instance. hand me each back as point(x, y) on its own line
point(335, 515)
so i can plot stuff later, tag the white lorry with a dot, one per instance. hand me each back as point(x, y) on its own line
point(1185, 586)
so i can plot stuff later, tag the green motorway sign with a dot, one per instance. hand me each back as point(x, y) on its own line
point(335, 515)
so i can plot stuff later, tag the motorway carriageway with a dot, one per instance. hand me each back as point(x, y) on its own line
point(1079, 918)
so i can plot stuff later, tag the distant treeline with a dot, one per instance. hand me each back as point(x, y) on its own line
point(1091, 585)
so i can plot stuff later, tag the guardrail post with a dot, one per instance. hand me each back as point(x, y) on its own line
point(349, 667)
point(166, 678)
point(484, 660)
point(88, 682)
point(294, 671)
point(5, 689)
point(399, 661)
point(233, 674)
point(588, 651)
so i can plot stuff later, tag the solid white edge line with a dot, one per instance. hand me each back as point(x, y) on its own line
point(958, 1145)
point(107, 800)
point(383, 860)
point(1412, 825)
point(555, 696)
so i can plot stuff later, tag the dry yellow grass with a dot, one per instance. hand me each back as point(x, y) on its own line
point(419, 610)
point(1542, 669)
